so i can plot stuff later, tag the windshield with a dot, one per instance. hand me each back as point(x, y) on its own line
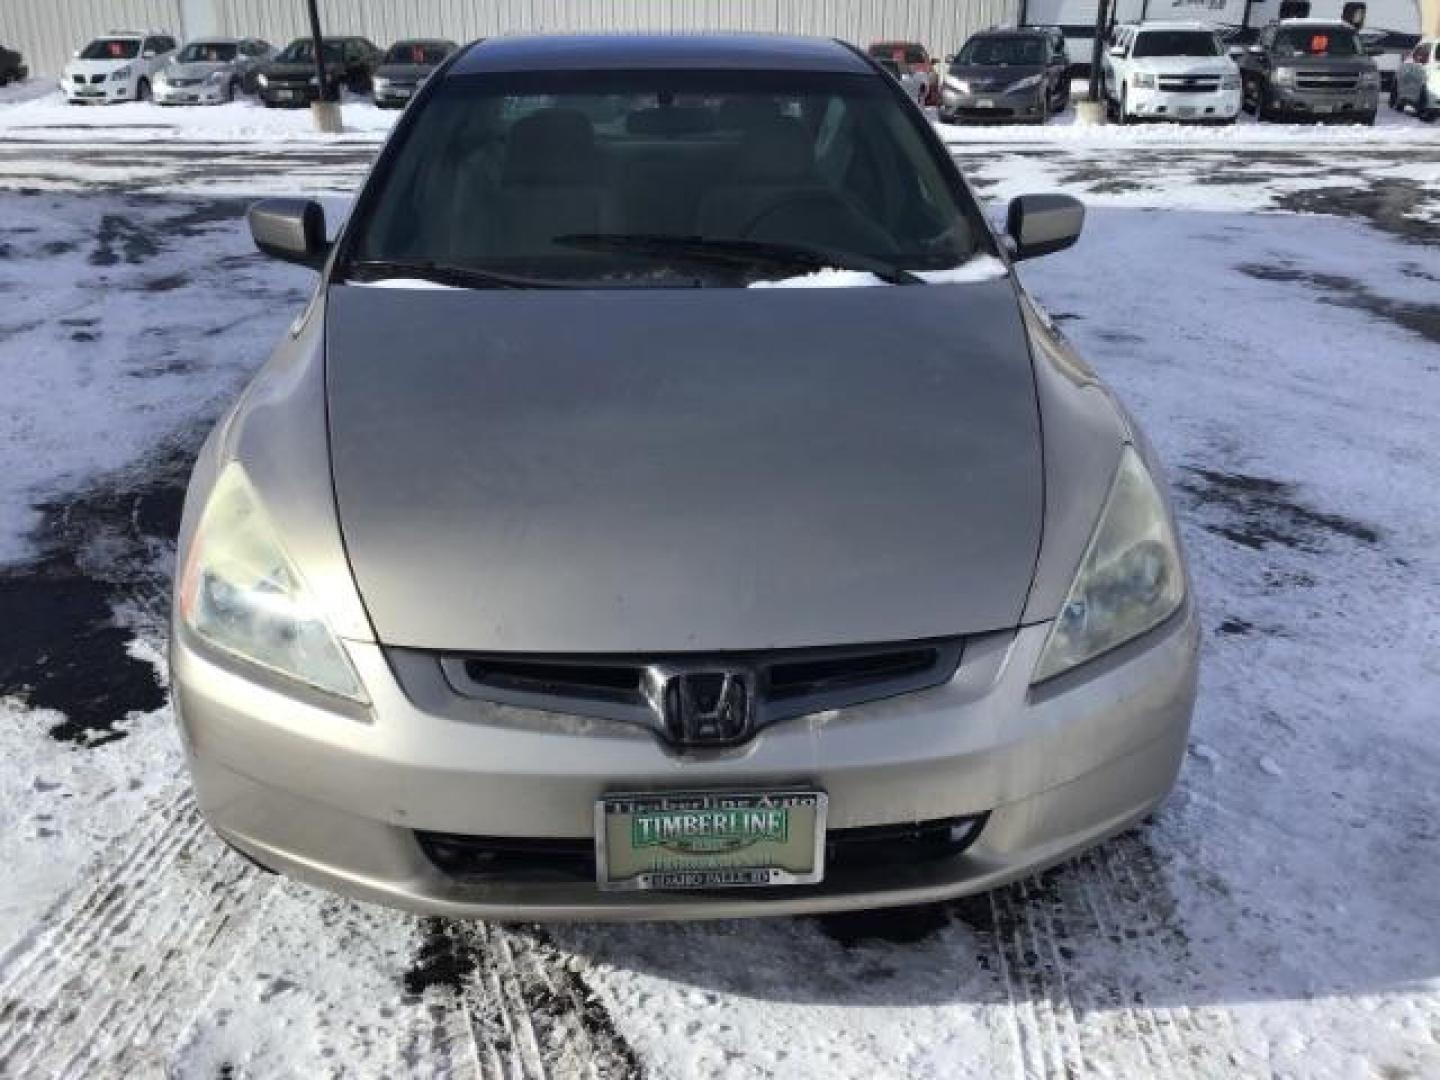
point(1176, 43)
point(303, 52)
point(1316, 41)
point(665, 177)
point(411, 52)
point(207, 52)
point(905, 51)
point(111, 49)
point(1003, 52)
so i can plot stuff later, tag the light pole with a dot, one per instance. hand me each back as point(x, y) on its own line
point(326, 107)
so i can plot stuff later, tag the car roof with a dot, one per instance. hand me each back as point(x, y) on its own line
point(1015, 31)
point(613, 52)
point(1174, 24)
point(216, 41)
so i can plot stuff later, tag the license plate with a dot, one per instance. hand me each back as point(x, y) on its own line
point(285, 95)
point(1187, 110)
point(1323, 108)
point(709, 840)
point(985, 103)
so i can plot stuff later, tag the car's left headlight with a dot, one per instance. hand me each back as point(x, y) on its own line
point(263, 79)
point(1370, 78)
point(120, 74)
point(241, 593)
point(1030, 82)
point(1130, 580)
point(1143, 80)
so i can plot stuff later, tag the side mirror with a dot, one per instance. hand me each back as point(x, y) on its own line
point(292, 230)
point(1043, 224)
point(1117, 50)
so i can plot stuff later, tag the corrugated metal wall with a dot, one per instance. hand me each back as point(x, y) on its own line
point(942, 24)
point(47, 31)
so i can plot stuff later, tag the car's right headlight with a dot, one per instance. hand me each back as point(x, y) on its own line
point(1284, 76)
point(263, 79)
point(241, 593)
point(1030, 82)
point(1143, 80)
point(960, 86)
point(1130, 580)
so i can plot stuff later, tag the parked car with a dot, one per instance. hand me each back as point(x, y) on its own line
point(1417, 83)
point(1312, 68)
point(912, 59)
point(608, 579)
point(1007, 75)
point(1170, 71)
point(290, 80)
point(121, 66)
point(12, 67)
point(405, 66)
point(1388, 48)
point(914, 83)
point(209, 71)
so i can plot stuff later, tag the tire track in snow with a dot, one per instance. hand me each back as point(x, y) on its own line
point(115, 972)
point(1068, 1020)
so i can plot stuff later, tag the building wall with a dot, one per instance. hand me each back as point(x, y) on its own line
point(47, 31)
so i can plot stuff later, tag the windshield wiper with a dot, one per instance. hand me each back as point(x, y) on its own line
point(457, 277)
point(740, 253)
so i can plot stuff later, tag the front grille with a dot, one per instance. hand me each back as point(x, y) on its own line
point(523, 860)
point(983, 114)
point(183, 83)
point(1189, 84)
point(1326, 80)
point(775, 685)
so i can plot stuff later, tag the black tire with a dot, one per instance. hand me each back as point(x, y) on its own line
point(232, 88)
point(142, 90)
point(1122, 116)
point(1367, 119)
point(1395, 102)
point(1263, 110)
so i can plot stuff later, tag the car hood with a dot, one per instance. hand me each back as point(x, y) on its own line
point(684, 470)
point(1186, 65)
point(404, 71)
point(97, 67)
point(306, 68)
point(993, 76)
point(195, 71)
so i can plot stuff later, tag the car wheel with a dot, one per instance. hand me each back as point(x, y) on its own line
point(1367, 119)
point(1395, 102)
point(1123, 109)
point(142, 90)
point(1425, 108)
point(231, 89)
point(1263, 109)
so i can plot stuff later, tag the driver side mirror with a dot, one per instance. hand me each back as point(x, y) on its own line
point(292, 230)
point(1043, 224)
point(148, 54)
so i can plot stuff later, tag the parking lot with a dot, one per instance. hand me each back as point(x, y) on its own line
point(1266, 299)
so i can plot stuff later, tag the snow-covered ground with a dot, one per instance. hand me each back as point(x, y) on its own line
point(1276, 918)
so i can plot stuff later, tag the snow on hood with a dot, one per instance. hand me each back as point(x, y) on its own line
point(980, 268)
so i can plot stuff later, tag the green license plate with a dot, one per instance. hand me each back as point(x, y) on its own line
point(709, 840)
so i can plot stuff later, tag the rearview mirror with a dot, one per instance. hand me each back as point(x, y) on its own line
point(290, 229)
point(1043, 224)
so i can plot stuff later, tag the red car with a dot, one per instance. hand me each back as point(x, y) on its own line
point(911, 57)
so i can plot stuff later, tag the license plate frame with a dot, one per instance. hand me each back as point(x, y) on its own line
point(744, 850)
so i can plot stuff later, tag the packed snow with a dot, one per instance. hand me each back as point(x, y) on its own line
point(1272, 318)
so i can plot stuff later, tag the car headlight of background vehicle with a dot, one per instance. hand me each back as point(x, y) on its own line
point(1130, 580)
point(960, 86)
point(1370, 78)
point(1030, 82)
point(120, 74)
point(1143, 80)
point(1284, 76)
point(263, 79)
point(241, 593)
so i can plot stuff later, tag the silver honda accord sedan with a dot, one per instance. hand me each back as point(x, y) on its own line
point(671, 505)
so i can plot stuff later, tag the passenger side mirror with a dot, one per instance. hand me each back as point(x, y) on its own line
point(1043, 224)
point(1117, 50)
point(290, 229)
point(148, 54)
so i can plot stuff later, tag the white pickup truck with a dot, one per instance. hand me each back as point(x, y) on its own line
point(1170, 71)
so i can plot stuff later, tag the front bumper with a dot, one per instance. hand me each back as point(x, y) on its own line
point(297, 95)
point(1179, 106)
point(1325, 103)
point(337, 799)
point(203, 94)
point(105, 93)
point(998, 107)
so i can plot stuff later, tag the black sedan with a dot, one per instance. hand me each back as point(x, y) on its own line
point(291, 79)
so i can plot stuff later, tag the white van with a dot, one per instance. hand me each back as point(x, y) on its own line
point(119, 66)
